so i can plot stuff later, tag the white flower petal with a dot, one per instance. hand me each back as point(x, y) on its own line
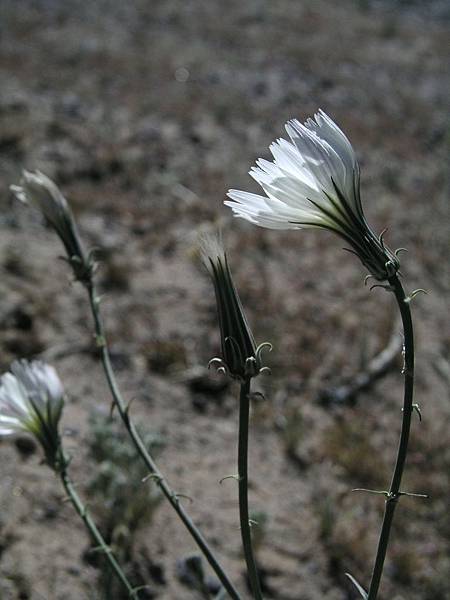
point(13, 397)
point(46, 377)
point(320, 158)
point(7, 431)
point(329, 131)
point(292, 163)
point(268, 213)
point(10, 425)
point(255, 212)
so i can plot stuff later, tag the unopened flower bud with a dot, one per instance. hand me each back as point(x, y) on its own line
point(40, 191)
point(241, 358)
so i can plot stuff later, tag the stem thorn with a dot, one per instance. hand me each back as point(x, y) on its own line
point(235, 477)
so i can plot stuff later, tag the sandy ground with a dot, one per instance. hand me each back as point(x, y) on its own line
point(145, 113)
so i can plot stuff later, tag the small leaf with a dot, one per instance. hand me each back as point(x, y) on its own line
point(359, 587)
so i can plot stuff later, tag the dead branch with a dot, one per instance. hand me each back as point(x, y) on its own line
point(347, 393)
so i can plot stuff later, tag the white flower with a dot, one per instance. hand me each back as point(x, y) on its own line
point(31, 400)
point(40, 191)
point(313, 182)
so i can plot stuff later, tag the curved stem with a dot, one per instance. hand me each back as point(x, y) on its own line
point(155, 473)
point(244, 409)
point(92, 528)
point(394, 490)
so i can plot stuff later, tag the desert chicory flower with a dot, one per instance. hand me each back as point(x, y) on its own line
point(31, 400)
point(40, 191)
point(241, 358)
point(313, 182)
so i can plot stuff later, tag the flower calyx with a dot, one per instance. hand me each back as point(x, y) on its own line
point(252, 365)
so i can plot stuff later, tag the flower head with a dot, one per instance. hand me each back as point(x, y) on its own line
point(313, 182)
point(241, 358)
point(40, 191)
point(31, 400)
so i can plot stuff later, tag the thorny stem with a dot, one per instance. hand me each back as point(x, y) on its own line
point(92, 528)
point(156, 474)
point(244, 409)
point(393, 496)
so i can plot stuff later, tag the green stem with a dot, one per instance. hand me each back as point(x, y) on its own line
point(394, 490)
point(244, 410)
point(155, 473)
point(92, 528)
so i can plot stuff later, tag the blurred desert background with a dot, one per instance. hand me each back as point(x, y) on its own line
point(145, 113)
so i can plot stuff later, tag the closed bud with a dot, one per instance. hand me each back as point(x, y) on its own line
point(41, 192)
point(241, 358)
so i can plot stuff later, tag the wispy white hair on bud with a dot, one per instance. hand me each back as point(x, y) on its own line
point(211, 248)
